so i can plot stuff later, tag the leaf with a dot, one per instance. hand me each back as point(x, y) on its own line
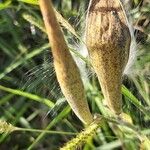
point(33, 2)
point(28, 95)
point(4, 5)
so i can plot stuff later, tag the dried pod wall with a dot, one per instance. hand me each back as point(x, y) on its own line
point(66, 69)
point(108, 42)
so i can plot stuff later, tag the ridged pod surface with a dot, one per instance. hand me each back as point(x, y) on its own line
point(108, 42)
point(66, 69)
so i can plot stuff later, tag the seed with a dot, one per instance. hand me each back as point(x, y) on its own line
point(83, 136)
point(66, 69)
point(108, 42)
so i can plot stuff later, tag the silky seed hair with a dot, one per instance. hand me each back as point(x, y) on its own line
point(108, 41)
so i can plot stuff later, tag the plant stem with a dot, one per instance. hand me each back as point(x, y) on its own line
point(46, 131)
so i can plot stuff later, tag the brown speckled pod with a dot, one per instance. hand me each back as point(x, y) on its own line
point(66, 69)
point(108, 42)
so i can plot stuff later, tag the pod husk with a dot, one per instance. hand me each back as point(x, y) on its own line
point(108, 42)
point(67, 72)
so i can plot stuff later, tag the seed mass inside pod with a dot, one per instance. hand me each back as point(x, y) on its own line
point(108, 42)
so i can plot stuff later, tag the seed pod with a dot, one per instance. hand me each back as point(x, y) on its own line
point(66, 69)
point(108, 42)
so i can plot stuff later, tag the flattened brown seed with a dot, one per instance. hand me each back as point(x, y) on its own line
point(108, 42)
point(66, 69)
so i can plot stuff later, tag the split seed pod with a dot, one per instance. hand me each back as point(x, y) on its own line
point(66, 69)
point(108, 42)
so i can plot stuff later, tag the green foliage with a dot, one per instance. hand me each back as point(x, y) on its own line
point(5, 4)
point(30, 97)
point(34, 2)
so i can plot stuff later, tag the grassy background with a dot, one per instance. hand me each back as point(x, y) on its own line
point(30, 96)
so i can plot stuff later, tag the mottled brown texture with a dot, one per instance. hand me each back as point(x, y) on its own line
point(108, 42)
point(66, 69)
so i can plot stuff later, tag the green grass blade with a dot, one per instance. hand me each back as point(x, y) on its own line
point(5, 99)
point(4, 5)
point(28, 95)
point(134, 100)
point(57, 119)
point(21, 61)
point(33, 2)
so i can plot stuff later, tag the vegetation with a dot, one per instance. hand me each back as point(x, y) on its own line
point(33, 111)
